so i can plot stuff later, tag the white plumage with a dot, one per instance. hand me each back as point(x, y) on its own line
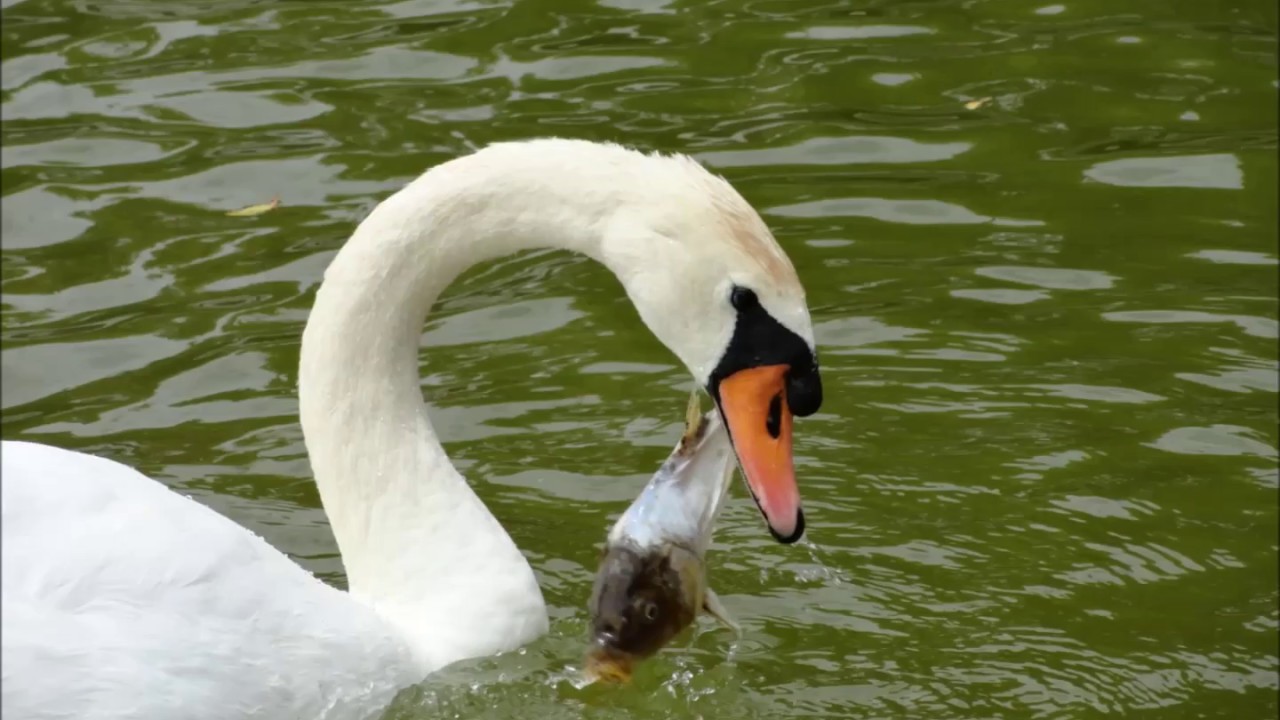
point(122, 599)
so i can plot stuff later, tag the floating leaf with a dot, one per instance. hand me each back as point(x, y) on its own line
point(256, 209)
point(975, 104)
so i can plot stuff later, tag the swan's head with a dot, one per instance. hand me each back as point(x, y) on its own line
point(713, 285)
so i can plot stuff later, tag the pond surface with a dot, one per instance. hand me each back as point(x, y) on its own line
point(1039, 242)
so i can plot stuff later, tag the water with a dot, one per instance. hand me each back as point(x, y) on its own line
point(1039, 242)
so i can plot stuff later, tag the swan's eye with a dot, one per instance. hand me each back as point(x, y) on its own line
point(743, 299)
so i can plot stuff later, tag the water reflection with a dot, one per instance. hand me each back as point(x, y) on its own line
point(1256, 326)
point(838, 151)
point(909, 212)
point(1221, 171)
point(1214, 440)
point(1050, 278)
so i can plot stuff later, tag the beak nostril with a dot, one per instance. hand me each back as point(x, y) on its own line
point(773, 422)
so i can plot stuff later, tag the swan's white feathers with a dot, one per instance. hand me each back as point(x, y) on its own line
point(124, 600)
point(689, 194)
point(676, 235)
point(150, 605)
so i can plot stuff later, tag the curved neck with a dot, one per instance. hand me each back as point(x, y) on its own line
point(415, 540)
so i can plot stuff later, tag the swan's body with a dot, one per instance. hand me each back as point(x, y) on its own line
point(124, 600)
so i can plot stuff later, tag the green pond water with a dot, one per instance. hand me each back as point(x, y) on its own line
point(1039, 243)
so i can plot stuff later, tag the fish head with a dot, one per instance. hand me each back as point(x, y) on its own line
point(641, 600)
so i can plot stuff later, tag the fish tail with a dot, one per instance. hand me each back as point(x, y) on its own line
point(695, 423)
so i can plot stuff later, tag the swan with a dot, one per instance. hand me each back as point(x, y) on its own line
point(123, 599)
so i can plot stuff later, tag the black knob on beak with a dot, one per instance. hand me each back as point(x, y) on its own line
point(804, 389)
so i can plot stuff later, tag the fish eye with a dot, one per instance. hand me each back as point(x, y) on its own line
point(650, 611)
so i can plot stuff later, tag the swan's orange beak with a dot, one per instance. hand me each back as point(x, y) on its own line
point(754, 405)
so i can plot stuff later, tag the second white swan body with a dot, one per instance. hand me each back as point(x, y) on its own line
point(122, 599)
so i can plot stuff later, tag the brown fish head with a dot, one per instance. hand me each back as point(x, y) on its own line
point(642, 599)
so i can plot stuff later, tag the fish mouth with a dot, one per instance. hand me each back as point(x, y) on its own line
point(754, 405)
point(608, 665)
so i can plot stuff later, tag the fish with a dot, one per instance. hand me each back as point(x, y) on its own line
point(652, 579)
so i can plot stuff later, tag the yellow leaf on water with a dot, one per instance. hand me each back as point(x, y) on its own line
point(975, 104)
point(256, 209)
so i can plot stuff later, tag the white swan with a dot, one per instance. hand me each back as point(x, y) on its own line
point(122, 599)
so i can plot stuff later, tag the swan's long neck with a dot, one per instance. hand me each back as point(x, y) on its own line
point(415, 540)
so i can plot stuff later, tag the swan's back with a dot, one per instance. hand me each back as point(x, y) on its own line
point(122, 599)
